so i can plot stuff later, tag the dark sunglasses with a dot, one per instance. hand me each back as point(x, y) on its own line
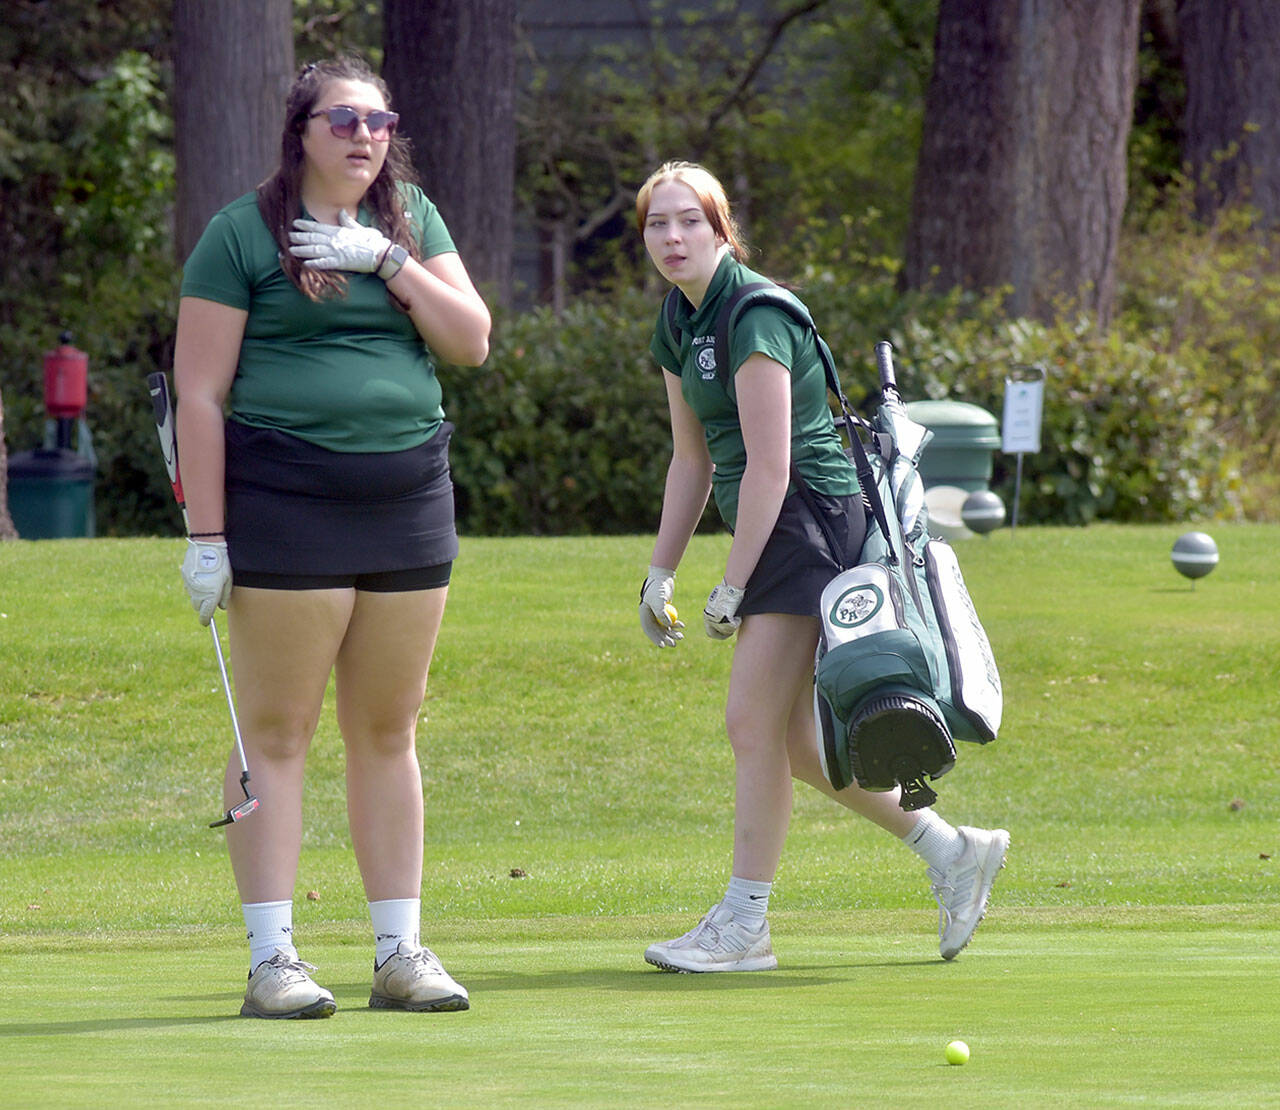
point(343, 122)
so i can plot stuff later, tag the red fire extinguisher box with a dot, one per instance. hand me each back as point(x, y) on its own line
point(66, 381)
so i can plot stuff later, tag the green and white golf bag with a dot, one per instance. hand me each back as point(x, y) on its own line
point(903, 666)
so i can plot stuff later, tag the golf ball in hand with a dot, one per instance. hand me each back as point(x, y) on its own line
point(672, 615)
point(957, 1052)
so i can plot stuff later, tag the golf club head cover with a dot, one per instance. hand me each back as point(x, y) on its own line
point(206, 572)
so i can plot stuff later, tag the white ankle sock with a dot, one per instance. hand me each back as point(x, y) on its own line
point(394, 920)
point(748, 899)
point(269, 926)
point(933, 840)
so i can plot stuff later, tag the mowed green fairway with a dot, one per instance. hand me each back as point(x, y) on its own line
point(579, 805)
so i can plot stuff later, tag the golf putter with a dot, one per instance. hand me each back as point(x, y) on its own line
point(162, 408)
point(250, 803)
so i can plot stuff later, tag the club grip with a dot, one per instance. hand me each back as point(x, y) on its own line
point(884, 365)
point(162, 410)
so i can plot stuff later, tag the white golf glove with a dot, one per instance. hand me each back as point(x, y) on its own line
point(658, 616)
point(206, 572)
point(346, 245)
point(720, 617)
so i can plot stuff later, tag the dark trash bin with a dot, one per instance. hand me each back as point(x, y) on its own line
point(51, 494)
point(965, 437)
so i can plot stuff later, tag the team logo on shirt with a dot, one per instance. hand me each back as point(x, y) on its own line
point(706, 358)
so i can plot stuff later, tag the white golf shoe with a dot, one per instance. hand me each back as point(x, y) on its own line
point(718, 942)
point(281, 988)
point(413, 978)
point(962, 888)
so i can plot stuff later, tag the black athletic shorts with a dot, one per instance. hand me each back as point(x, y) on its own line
point(303, 517)
point(797, 561)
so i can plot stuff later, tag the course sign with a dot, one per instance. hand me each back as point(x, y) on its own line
point(1023, 406)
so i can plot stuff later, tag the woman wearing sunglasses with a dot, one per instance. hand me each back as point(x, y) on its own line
point(321, 507)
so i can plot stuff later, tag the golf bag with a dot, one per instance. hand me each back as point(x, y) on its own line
point(903, 665)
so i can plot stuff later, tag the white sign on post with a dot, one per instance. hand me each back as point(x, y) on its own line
point(1023, 406)
point(1020, 432)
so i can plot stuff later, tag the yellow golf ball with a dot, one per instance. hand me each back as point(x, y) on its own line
point(672, 615)
point(957, 1052)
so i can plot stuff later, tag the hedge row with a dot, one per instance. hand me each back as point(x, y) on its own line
point(564, 429)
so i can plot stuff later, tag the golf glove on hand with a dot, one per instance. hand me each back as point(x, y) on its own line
point(206, 572)
point(721, 614)
point(657, 614)
point(346, 245)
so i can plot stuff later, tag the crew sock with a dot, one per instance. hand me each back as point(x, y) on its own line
point(394, 920)
point(269, 926)
point(934, 841)
point(748, 899)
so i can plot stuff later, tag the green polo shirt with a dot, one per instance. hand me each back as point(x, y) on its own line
point(816, 447)
point(348, 373)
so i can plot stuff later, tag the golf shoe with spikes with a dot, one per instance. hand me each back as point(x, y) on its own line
point(719, 942)
point(282, 988)
point(961, 889)
point(412, 978)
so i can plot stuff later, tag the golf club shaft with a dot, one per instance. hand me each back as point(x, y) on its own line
point(231, 702)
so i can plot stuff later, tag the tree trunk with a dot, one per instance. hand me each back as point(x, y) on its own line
point(1232, 136)
point(7, 530)
point(233, 62)
point(450, 65)
point(1021, 177)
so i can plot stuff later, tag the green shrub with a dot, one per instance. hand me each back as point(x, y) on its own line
point(1210, 293)
point(1129, 430)
point(1127, 433)
point(565, 428)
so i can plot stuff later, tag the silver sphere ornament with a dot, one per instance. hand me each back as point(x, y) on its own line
point(1195, 554)
point(982, 511)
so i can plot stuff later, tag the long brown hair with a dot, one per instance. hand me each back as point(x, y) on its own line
point(280, 196)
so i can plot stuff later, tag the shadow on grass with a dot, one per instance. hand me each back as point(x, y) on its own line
point(649, 980)
point(107, 1025)
point(353, 996)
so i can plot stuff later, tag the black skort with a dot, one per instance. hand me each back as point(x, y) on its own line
point(303, 517)
point(797, 561)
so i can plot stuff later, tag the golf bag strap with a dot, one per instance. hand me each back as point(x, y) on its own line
point(806, 495)
point(671, 330)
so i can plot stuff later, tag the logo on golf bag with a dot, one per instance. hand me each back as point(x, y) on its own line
point(857, 605)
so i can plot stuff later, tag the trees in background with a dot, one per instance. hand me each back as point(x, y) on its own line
point(1021, 177)
point(450, 65)
point(232, 66)
point(1232, 127)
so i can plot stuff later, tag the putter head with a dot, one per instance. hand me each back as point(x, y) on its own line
point(241, 811)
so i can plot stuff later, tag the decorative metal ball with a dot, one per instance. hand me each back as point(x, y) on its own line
point(1195, 554)
point(982, 511)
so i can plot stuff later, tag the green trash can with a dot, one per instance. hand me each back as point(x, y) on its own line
point(51, 494)
point(965, 437)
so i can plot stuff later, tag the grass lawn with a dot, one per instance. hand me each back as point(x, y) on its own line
point(579, 801)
